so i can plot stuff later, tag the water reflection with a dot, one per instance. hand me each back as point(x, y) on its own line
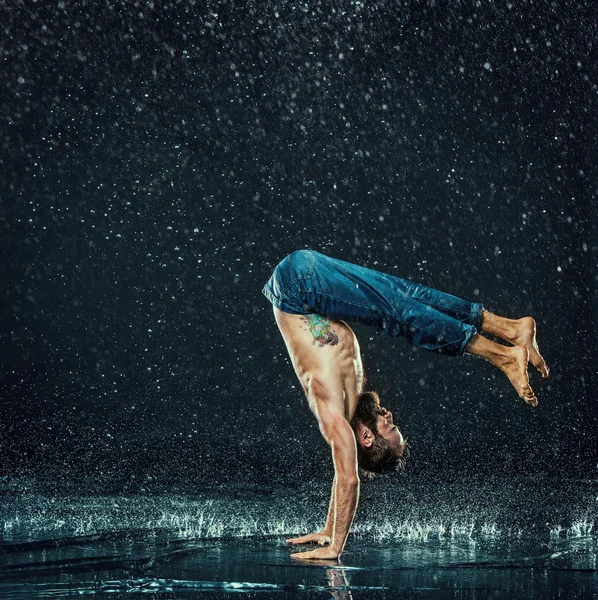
point(339, 583)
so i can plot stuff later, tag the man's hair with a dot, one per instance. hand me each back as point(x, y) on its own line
point(380, 457)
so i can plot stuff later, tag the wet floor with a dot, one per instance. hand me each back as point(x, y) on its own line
point(511, 538)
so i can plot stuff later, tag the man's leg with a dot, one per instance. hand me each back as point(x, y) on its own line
point(309, 281)
point(519, 332)
point(511, 360)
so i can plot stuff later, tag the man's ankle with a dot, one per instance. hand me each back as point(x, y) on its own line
point(500, 327)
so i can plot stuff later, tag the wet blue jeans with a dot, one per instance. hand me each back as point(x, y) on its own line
point(307, 281)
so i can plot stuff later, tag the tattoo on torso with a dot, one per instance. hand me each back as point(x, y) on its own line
point(319, 327)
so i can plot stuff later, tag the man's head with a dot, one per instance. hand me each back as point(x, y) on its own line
point(380, 445)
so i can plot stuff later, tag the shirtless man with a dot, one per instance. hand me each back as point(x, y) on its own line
point(312, 296)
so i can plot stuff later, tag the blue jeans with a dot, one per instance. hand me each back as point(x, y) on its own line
point(307, 281)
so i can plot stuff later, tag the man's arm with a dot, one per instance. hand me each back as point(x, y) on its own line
point(328, 528)
point(346, 493)
point(339, 435)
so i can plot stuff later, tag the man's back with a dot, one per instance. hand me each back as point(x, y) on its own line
point(325, 355)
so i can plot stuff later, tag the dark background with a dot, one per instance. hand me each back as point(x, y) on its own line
point(157, 161)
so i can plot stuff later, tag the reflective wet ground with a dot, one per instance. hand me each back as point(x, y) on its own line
point(492, 538)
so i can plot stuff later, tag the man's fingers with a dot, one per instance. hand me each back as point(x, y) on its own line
point(299, 540)
point(302, 555)
point(305, 555)
point(306, 539)
point(320, 553)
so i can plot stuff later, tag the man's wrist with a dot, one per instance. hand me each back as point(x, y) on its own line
point(336, 548)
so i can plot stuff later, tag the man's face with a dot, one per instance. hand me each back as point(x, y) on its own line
point(387, 429)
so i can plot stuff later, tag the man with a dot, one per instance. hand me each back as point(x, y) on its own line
point(312, 296)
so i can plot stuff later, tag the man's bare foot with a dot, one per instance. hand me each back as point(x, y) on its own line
point(514, 365)
point(511, 360)
point(519, 332)
point(525, 335)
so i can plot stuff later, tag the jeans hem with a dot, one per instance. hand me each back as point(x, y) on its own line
point(471, 331)
point(476, 315)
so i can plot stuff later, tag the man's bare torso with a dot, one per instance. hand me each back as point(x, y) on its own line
point(326, 351)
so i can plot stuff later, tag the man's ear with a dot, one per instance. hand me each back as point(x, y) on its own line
point(364, 435)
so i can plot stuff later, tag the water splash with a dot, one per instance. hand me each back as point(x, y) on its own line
point(579, 529)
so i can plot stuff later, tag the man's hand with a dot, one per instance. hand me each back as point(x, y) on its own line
point(320, 553)
point(321, 538)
